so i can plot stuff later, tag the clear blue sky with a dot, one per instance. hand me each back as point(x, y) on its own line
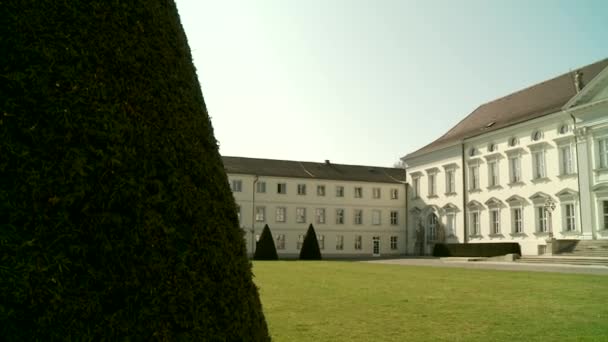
point(366, 82)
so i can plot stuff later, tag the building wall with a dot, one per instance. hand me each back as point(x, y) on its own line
point(330, 229)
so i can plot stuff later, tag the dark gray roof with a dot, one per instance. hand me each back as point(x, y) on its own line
point(297, 169)
point(527, 104)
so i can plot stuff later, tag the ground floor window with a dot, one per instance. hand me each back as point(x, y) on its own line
point(432, 224)
point(541, 219)
point(393, 242)
point(358, 242)
point(300, 241)
point(570, 217)
point(605, 210)
point(281, 241)
point(339, 242)
point(495, 221)
point(321, 240)
point(474, 223)
point(517, 220)
point(451, 223)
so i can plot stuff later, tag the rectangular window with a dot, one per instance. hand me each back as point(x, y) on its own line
point(376, 193)
point(339, 191)
point(515, 169)
point(260, 214)
point(605, 204)
point(238, 212)
point(358, 216)
point(300, 215)
point(376, 217)
point(320, 215)
point(603, 149)
point(281, 241)
point(493, 179)
point(358, 242)
point(280, 214)
point(237, 185)
point(565, 156)
point(321, 240)
point(474, 223)
point(517, 220)
point(450, 179)
point(416, 187)
point(432, 185)
point(495, 221)
point(473, 177)
point(300, 241)
point(451, 223)
point(541, 219)
point(301, 189)
point(339, 216)
point(358, 192)
point(339, 242)
point(538, 167)
point(320, 190)
point(281, 188)
point(393, 242)
point(570, 217)
point(394, 218)
point(394, 194)
point(260, 187)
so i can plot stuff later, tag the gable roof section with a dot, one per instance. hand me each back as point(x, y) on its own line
point(311, 170)
point(527, 104)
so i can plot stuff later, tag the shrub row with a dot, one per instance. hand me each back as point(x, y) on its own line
point(476, 249)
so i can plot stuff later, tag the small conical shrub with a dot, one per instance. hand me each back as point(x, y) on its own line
point(310, 248)
point(116, 220)
point(265, 248)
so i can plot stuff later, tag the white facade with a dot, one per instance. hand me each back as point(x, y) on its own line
point(348, 216)
point(530, 182)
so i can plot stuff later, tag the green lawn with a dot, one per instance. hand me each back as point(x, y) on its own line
point(352, 301)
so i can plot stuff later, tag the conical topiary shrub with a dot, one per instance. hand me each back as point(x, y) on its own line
point(116, 220)
point(265, 248)
point(310, 247)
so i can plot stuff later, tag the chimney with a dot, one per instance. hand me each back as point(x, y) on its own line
point(578, 81)
point(327, 162)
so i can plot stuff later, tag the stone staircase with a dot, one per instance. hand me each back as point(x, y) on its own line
point(572, 252)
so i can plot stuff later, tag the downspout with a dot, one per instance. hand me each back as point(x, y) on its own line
point(464, 199)
point(255, 181)
point(406, 211)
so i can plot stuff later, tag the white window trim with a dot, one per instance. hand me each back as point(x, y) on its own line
point(301, 218)
point(519, 207)
point(494, 230)
point(280, 218)
point(320, 215)
point(474, 229)
point(563, 206)
point(260, 214)
point(394, 217)
point(358, 217)
point(340, 218)
point(376, 217)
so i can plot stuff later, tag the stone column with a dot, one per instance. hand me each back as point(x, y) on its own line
point(585, 173)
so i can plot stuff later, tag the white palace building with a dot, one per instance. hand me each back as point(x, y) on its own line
point(530, 167)
point(357, 211)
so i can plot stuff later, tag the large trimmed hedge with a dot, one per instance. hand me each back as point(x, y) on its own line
point(265, 248)
point(116, 220)
point(310, 247)
point(476, 249)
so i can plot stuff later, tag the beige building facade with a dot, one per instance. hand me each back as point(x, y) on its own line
point(531, 168)
point(357, 211)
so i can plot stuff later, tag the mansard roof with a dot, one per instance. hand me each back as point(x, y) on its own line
point(311, 170)
point(527, 104)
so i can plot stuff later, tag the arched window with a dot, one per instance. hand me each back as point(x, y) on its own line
point(432, 226)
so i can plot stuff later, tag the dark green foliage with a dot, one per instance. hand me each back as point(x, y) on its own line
point(310, 247)
point(116, 220)
point(476, 249)
point(265, 248)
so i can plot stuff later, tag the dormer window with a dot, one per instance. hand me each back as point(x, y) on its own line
point(537, 135)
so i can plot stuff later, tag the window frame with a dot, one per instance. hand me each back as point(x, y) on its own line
point(260, 187)
point(394, 242)
point(282, 188)
point(321, 190)
point(340, 213)
point(394, 217)
point(260, 213)
point(280, 214)
point(320, 216)
point(358, 217)
point(300, 215)
point(376, 217)
point(302, 189)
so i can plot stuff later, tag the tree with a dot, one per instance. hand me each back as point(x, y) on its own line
point(116, 220)
point(265, 248)
point(310, 247)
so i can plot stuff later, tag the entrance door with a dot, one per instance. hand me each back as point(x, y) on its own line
point(376, 245)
